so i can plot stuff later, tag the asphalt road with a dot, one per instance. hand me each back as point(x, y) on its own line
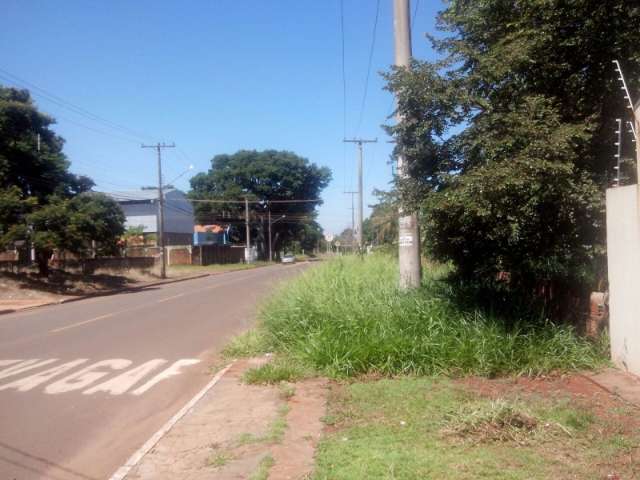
point(83, 385)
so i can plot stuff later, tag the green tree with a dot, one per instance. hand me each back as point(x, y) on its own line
point(72, 225)
point(509, 137)
point(266, 177)
point(381, 227)
point(37, 173)
point(40, 200)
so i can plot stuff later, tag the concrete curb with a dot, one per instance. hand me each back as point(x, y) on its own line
point(124, 470)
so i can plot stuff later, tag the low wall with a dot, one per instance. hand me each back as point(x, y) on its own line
point(90, 265)
point(623, 252)
point(179, 255)
point(210, 254)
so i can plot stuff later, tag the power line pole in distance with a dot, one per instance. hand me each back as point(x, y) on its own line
point(408, 231)
point(247, 230)
point(359, 142)
point(163, 265)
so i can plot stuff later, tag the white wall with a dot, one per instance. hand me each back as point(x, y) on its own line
point(623, 250)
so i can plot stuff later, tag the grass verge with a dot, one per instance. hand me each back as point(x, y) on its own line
point(348, 317)
point(416, 428)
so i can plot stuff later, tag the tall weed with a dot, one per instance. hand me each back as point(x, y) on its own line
point(348, 317)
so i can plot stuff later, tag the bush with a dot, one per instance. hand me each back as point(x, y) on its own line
point(348, 317)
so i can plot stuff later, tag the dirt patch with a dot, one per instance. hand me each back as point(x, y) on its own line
point(240, 431)
point(617, 420)
point(58, 285)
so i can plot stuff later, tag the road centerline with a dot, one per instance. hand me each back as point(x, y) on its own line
point(74, 325)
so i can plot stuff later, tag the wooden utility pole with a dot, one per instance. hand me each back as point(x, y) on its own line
point(408, 230)
point(358, 233)
point(163, 256)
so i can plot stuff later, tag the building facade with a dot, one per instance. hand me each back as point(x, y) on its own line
point(142, 210)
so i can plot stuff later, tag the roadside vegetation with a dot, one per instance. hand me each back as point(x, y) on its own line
point(347, 317)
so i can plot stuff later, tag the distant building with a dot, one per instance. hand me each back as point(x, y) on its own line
point(211, 235)
point(141, 210)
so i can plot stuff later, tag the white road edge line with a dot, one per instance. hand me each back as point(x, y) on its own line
point(124, 470)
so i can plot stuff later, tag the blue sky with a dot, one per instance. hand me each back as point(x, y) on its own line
point(213, 77)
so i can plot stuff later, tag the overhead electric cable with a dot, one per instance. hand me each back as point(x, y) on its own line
point(68, 105)
point(366, 82)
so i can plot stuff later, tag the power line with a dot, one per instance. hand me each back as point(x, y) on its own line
point(68, 105)
point(316, 200)
point(344, 97)
point(366, 82)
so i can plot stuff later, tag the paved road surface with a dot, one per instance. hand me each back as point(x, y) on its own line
point(84, 384)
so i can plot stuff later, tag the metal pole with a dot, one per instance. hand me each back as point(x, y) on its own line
point(269, 219)
point(247, 232)
point(409, 233)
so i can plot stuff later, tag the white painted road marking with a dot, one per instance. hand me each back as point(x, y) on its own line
point(171, 298)
point(86, 378)
point(124, 470)
point(25, 365)
point(126, 380)
point(169, 372)
point(27, 383)
point(74, 325)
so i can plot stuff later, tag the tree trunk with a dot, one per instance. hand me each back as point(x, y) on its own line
point(42, 260)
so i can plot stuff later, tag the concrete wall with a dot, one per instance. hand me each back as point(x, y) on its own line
point(623, 250)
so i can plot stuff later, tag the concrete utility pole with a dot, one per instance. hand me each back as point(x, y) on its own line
point(360, 141)
point(409, 233)
point(271, 223)
point(163, 256)
point(353, 213)
point(247, 231)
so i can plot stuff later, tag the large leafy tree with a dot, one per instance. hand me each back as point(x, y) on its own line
point(266, 178)
point(509, 137)
point(381, 227)
point(40, 200)
point(73, 225)
point(37, 173)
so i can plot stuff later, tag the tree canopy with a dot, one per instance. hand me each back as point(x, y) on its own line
point(40, 200)
point(266, 178)
point(509, 136)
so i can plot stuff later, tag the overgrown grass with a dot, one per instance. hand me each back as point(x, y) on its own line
point(347, 317)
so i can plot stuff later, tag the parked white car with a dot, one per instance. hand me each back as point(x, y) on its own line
point(288, 258)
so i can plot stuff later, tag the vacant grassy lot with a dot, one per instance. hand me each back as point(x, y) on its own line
point(425, 428)
point(413, 370)
point(347, 317)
